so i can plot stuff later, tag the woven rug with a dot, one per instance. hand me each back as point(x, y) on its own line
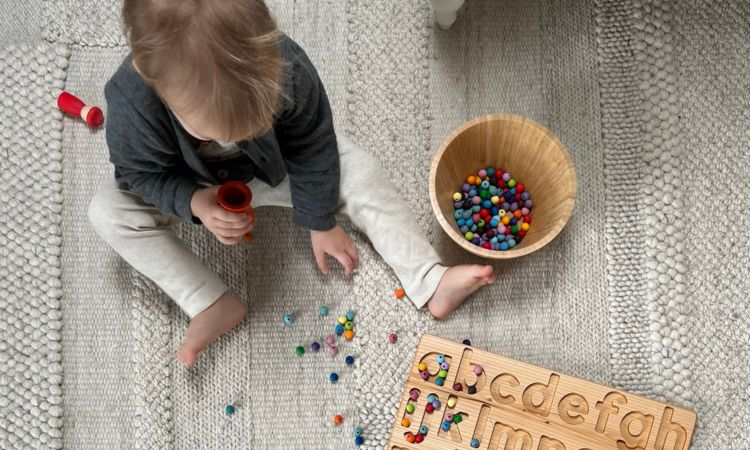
point(644, 289)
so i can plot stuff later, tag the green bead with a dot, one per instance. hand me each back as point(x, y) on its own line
point(348, 325)
point(514, 229)
point(469, 235)
point(442, 374)
point(484, 195)
point(457, 418)
point(511, 183)
point(481, 223)
point(299, 351)
point(229, 410)
point(410, 408)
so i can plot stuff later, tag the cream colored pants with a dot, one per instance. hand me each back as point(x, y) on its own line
point(143, 236)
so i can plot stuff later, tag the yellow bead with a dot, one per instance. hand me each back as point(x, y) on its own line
point(451, 402)
point(422, 367)
point(342, 320)
point(501, 213)
point(477, 181)
point(524, 226)
point(495, 199)
point(506, 220)
point(457, 197)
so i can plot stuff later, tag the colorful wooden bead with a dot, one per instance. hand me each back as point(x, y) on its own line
point(323, 310)
point(449, 416)
point(342, 320)
point(458, 387)
point(349, 335)
point(466, 342)
point(299, 351)
point(349, 360)
point(425, 375)
point(338, 419)
point(423, 430)
point(414, 394)
point(436, 404)
point(446, 426)
point(440, 359)
point(410, 437)
point(474, 443)
point(406, 423)
point(338, 329)
point(315, 347)
point(400, 293)
point(330, 339)
point(457, 418)
point(349, 325)
point(392, 338)
point(472, 390)
point(357, 431)
point(333, 377)
point(442, 373)
point(229, 410)
point(288, 319)
point(445, 365)
point(452, 402)
point(359, 440)
point(410, 408)
point(333, 350)
point(439, 381)
point(429, 408)
point(419, 438)
point(457, 196)
point(478, 370)
point(422, 366)
point(431, 398)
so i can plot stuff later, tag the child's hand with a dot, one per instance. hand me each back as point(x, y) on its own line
point(228, 227)
point(336, 243)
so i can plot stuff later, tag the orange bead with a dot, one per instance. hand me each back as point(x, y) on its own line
point(470, 179)
point(400, 293)
point(406, 423)
point(338, 419)
point(517, 214)
point(410, 438)
point(348, 335)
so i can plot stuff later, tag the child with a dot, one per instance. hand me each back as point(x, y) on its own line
point(213, 92)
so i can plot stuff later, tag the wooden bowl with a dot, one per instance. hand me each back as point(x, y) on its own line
point(521, 146)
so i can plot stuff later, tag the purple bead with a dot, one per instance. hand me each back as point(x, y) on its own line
point(466, 187)
point(445, 365)
point(524, 211)
point(458, 205)
point(528, 203)
point(513, 221)
point(475, 241)
point(424, 374)
point(315, 346)
point(464, 229)
point(506, 206)
point(513, 206)
point(524, 196)
point(506, 176)
point(501, 229)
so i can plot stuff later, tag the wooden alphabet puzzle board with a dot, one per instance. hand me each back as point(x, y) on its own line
point(519, 406)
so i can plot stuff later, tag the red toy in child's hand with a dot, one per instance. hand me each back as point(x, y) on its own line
point(74, 106)
point(235, 196)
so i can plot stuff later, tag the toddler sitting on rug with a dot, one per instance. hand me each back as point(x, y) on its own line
point(213, 92)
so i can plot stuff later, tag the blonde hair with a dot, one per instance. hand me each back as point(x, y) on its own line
point(219, 56)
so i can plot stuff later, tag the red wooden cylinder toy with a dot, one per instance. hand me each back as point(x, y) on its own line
point(74, 106)
point(235, 196)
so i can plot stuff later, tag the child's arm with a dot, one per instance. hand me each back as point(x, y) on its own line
point(145, 158)
point(307, 139)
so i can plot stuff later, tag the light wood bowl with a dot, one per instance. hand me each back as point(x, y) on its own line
point(521, 146)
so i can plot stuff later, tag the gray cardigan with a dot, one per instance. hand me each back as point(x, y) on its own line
point(155, 157)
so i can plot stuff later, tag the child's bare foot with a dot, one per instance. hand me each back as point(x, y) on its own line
point(207, 326)
point(458, 283)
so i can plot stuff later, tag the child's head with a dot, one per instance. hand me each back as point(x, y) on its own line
point(214, 62)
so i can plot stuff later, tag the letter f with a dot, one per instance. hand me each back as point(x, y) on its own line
point(607, 407)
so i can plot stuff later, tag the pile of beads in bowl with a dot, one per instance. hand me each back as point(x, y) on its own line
point(493, 210)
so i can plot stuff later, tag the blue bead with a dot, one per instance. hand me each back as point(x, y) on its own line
point(493, 190)
point(472, 192)
point(315, 346)
point(357, 431)
point(446, 426)
point(490, 171)
point(486, 204)
point(468, 222)
point(466, 342)
point(431, 398)
point(503, 246)
point(485, 184)
point(511, 243)
point(339, 329)
point(229, 410)
point(349, 315)
point(349, 360)
point(513, 206)
point(439, 381)
point(334, 377)
point(476, 241)
point(476, 208)
point(323, 310)
point(423, 430)
point(524, 195)
point(513, 221)
point(493, 240)
point(458, 205)
point(513, 191)
point(494, 210)
point(464, 229)
point(458, 213)
point(359, 440)
point(461, 222)
point(475, 443)
point(473, 228)
point(506, 206)
point(288, 319)
point(467, 214)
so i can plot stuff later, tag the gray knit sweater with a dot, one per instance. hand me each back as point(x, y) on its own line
point(156, 158)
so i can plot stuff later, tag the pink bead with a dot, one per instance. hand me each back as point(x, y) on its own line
point(476, 200)
point(330, 339)
point(414, 394)
point(478, 370)
point(525, 211)
point(392, 338)
point(333, 350)
point(482, 173)
point(425, 375)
